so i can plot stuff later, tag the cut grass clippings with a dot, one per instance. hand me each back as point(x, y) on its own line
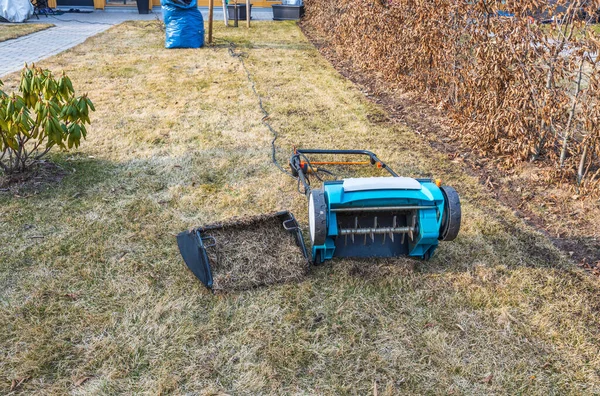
point(249, 252)
point(95, 299)
point(10, 31)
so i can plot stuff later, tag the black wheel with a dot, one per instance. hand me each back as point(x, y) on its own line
point(317, 258)
point(317, 217)
point(452, 214)
point(427, 255)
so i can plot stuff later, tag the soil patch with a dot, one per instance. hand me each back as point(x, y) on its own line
point(40, 177)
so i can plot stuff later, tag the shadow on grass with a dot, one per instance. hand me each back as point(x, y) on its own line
point(57, 174)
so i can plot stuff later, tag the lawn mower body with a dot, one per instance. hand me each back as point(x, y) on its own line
point(377, 216)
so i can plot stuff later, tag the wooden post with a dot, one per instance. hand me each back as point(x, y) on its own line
point(236, 14)
point(211, 4)
point(248, 13)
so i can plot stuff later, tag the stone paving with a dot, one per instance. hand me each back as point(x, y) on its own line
point(74, 28)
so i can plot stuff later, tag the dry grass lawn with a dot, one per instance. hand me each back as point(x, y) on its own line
point(14, 30)
point(94, 298)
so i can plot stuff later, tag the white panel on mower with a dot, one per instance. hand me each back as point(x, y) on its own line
point(380, 183)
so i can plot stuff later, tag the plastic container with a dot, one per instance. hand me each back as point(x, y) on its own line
point(283, 12)
point(241, 9)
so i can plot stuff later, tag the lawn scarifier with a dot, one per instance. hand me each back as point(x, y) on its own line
point(352, 217)
point(414, 213)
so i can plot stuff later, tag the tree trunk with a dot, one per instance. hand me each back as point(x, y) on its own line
point(563, 152)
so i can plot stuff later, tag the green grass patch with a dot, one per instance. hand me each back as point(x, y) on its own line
point(14, 30)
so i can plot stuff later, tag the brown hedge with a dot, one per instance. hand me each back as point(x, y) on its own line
point(517, 88)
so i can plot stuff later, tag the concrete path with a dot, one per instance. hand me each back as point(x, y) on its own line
point(74, 28)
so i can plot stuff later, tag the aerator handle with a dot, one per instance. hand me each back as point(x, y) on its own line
point(301, 165)
point(298, 165)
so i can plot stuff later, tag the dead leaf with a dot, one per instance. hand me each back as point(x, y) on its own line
point(15, 383)
point(487, 379)
point(81, 381)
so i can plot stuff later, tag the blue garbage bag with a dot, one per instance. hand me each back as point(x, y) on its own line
point(184, 24)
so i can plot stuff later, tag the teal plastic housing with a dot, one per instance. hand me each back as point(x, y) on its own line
point(429, 199)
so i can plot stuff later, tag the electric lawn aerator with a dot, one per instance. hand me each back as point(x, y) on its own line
point(375, 216)
point(355, 217)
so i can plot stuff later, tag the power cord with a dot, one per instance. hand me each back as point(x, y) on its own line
point(156, 18)
point(266, 115)
point(240, 57)
point(78, 21)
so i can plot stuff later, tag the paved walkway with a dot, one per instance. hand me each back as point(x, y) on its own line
point(74, 28)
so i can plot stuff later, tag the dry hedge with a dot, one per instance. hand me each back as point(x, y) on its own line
point(517, 88)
